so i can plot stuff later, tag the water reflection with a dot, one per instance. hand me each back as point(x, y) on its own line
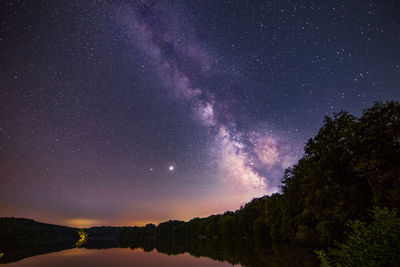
point(114, 257)
point(156, 253)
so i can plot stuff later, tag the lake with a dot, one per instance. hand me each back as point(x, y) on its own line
point(116, 252)
point(114, 257)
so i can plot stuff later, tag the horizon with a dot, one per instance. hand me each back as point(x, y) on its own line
point(87, 223)
point(116, 113)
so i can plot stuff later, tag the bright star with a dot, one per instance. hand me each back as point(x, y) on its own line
point(171, 168)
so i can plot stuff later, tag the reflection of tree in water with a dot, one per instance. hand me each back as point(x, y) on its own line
point(244, 253)
point(15, 251)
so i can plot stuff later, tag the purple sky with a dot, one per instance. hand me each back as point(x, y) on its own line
point(124, 113)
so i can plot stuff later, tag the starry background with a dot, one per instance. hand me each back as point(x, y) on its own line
point(128, 112)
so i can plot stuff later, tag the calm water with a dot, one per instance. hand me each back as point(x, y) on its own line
point(115, 252)
point(114, 257)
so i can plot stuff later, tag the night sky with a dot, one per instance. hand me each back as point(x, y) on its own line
point(129, 112)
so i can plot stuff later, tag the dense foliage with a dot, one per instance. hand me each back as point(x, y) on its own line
point(349, 167)
point(368, 244)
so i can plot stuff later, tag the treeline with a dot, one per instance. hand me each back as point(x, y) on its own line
point(245, 224)
point(350, 166)
point(104, 232)
point(19, 229)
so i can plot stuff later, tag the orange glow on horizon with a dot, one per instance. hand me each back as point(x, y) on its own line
point(87, 223)
point(83, 223)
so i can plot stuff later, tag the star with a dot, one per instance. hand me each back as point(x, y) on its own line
point(171, 168)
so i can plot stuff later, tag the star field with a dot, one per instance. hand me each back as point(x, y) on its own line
point(128, 112)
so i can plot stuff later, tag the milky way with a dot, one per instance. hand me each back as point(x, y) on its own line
point(245, 159)
point(129, 112)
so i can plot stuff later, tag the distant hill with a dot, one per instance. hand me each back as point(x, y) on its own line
point(21, 238)
point(20, 229)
